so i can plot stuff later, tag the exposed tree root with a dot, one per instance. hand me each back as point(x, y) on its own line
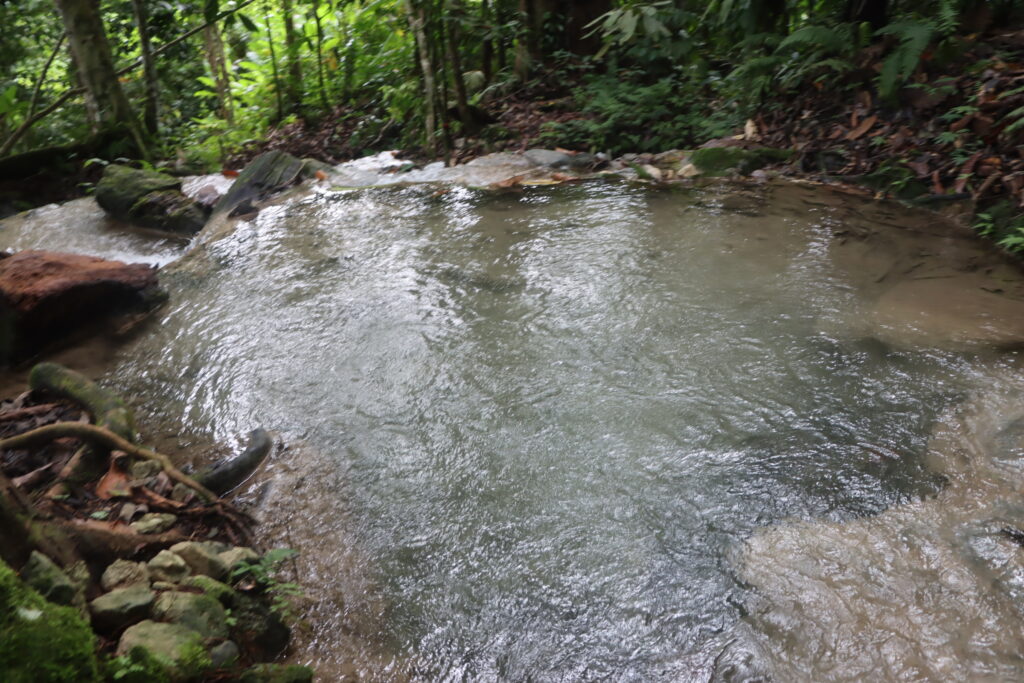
point(100, 436)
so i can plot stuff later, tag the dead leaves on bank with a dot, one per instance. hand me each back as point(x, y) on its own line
point(958, 131)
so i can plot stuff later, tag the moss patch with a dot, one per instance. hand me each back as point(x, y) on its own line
point(716, 161)
point(41, 642)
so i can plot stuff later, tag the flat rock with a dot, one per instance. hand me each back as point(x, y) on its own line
point(46, 296)
point(154, 523)
point(199, 612)
point(122, 606)
point(547, 157)
point(122, 573)
point(947, 313)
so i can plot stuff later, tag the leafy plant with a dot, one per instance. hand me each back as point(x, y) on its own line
point(266, 574)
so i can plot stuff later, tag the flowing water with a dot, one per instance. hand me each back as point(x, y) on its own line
point(607, 432)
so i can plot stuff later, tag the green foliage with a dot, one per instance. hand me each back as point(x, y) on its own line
point(41, 642)
point(913, 36)
point(266, 573)
point(138, 666)
point(627, 114)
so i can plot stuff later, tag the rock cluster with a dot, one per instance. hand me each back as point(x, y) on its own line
point(177, 611)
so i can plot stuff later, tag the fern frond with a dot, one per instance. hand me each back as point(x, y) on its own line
point(823, 38)
point(914, 37)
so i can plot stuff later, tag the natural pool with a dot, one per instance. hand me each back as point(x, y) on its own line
point(604, 431)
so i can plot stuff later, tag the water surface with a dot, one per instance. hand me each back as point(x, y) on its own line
point(599, 431)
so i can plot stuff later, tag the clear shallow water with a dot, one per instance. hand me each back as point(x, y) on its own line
point(549, 435)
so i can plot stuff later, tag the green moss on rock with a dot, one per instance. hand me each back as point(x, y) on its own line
point(716, 161)
point(41, 642)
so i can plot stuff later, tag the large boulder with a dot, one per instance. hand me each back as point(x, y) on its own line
point(45, 296)
point(150, 199)
point(199, 612)
point(177, 648)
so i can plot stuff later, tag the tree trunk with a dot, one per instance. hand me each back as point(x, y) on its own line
point(487, 49)
point(149, 112)
point(218, 70)
point(452, 19)
point(91, 51)
point(417, 21)
point(291, 42)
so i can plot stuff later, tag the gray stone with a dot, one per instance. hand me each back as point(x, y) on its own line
point(177, 647)
point(124, 573)
point(122, 606)
point(167, 566)
point(198, 611)
point(224, 654)
point(144, 469)
point(547, 157)
point(235, 557)
point(164, 586)
point(154, 523)
point(202, 558)
point(41, 573)
point(277, 673)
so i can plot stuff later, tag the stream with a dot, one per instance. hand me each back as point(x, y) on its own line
point(605, 431)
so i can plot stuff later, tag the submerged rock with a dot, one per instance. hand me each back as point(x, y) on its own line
point(46, 296)
point(947, 313)
point(149, 199)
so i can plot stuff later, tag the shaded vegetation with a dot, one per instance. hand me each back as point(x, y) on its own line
point(214, 82)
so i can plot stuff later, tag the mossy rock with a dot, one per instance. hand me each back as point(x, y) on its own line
point(122, 186)
point(41, 642)
point(169, 211)
point(178, 649)
point(718, 161)
point(150, 199)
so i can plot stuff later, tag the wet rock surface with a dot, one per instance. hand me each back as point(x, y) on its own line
point(149, 199)
point(47, 296)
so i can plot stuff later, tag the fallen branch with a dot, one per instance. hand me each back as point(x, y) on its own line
point(103, 437)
